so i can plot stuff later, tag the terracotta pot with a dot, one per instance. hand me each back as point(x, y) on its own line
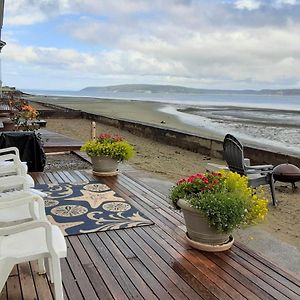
point(198, 229)
point(104, 164)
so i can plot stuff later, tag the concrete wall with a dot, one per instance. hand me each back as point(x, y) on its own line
point(185, 140)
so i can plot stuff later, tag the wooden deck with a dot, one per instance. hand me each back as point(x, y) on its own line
point(55, 142)
point(151, 262)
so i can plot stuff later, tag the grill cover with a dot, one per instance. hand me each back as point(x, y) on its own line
point(29, 145)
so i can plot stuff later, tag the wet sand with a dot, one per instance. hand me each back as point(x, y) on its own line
point(277, 138)
point(143, 111)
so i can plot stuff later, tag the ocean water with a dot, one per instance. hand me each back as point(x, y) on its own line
point(272, 121)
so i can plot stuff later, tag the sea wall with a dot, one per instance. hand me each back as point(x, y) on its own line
point(186, 140)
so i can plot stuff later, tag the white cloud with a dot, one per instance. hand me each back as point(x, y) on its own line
point(247, 4)
point(164, 41)
point(27, 12)
point(290, 2)
point(256, 55)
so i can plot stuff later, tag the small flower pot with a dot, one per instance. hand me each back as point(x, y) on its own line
point(104, 166)
point(199, 234)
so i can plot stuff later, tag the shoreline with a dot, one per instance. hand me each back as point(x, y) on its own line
point(169, 116)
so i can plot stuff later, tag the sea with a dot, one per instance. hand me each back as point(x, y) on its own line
point(272, 121)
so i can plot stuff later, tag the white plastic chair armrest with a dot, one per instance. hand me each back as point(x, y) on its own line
point(13, 181)
point(260, 167)
point(9, 196)
point(24, 227)
point(30, 200)
point(29, 180)
point(10, 149)
point(17, 165)
point(10, 156)
point(39, 193)
point(9, 230)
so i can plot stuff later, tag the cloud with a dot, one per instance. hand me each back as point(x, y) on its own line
point(218, 43)
point(290, 2)
point(262, 56)
point(247, 4)
point(27, 12)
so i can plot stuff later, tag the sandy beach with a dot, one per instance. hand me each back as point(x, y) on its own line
point(268, 129)
point(142, 111)
point(173, 163)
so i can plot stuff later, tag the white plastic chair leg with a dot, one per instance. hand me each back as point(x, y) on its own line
point(58, 287)
point(50, 270)
point(41, 264)
point(5, 268)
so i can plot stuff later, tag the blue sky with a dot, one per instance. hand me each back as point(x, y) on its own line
point(226, 44)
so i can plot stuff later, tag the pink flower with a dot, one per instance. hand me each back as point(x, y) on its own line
point(104, 136)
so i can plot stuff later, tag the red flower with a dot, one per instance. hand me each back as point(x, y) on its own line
point(180, 181)
point(103, 136)
point(216, 174)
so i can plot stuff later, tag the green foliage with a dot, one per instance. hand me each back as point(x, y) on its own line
point(224, 198)
point(112, 146)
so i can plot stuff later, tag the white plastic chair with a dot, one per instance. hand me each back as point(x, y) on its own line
point(19, 203)
point(30, 241)
point(14, 151)
point(22, 206)
point(10, 164)
point(14, 186)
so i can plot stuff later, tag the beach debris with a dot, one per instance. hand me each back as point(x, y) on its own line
point(162, 122)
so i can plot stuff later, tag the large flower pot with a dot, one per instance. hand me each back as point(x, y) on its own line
point(199, 234)
point(104, 166)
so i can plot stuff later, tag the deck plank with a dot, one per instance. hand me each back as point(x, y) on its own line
point(82, 279)
point(27, 282)
point(3, 294)
point(55, 142)
point(90, 269)
point(122, 254)
point(150, 262)
point(69, 282)
point(13, 288)
point(129, 289)
point(168, 279)
point(41, 283)
point(107, 276)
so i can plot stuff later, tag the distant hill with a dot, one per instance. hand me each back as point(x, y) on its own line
point(152, 88)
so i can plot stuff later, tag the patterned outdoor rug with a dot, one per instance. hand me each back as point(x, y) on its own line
point(89, 207)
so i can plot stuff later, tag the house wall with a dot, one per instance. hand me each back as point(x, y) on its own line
point(2, 44)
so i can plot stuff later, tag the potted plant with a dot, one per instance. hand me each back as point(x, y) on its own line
point(25, 117)
point(106, 151)
point(214, 204)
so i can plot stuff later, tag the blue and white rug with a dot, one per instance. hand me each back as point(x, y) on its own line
point(89, 207)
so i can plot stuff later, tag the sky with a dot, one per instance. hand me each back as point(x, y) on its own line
point(217, 44)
